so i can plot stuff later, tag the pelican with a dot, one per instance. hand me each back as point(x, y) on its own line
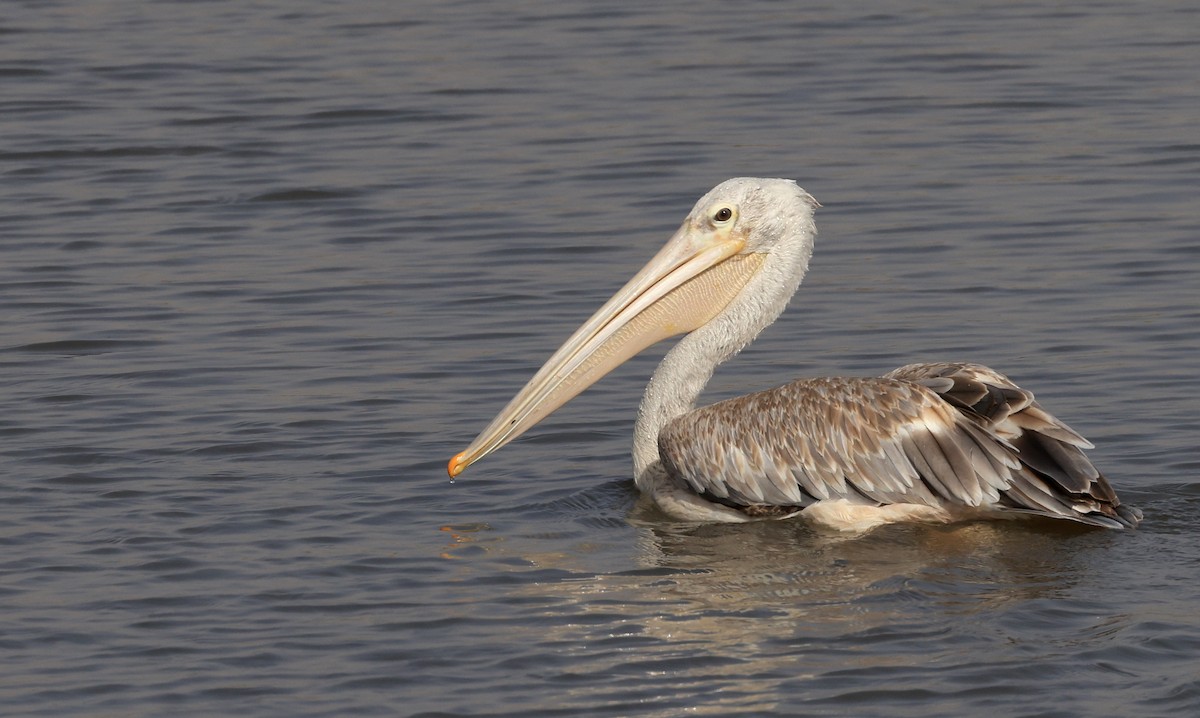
point(934, 442)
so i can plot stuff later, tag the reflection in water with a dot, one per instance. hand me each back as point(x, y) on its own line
point(735, 614)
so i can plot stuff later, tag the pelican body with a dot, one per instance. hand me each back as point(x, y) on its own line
point(926, 442)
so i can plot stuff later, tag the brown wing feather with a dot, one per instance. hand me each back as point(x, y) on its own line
point(929, 434)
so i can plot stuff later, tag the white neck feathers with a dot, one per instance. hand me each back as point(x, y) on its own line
point(686, 369)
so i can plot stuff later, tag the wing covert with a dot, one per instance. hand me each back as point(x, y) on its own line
point(938, 435)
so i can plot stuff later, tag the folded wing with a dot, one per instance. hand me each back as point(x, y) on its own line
point(939, 435)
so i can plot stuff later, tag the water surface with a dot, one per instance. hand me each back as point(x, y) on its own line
point(265, 267)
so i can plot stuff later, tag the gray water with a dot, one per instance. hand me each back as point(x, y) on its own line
point(264, 267)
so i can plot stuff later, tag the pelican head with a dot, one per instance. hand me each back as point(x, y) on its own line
point(720, 254)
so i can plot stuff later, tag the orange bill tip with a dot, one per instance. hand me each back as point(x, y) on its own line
point(457, 464)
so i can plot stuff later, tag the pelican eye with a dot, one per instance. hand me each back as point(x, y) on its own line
point(723, 214)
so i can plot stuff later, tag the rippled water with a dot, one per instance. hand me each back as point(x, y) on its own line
point(265, 266)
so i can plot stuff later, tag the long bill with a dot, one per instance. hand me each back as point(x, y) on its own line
point(683, 287)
